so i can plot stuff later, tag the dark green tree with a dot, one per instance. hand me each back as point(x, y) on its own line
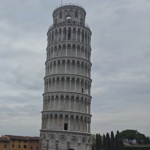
point(131, 135)
point(108, 143)
point(96, 142)
point(104, 142)
point(112, 141)
point(148, 140)
point(100, 142)
point(145, 140)
point(121, 146)
point(117, 141)
point(93, 139)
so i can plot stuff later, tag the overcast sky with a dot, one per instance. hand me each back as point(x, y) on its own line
point(120, 58)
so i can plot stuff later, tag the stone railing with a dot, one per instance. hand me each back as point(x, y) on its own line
point(71, 23)
point(69, 4)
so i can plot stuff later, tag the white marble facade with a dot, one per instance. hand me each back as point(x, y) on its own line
point(66, 115)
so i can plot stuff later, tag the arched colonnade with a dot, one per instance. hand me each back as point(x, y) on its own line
point(67, 104)
point(74, 50)
point(81, 34)
point(75, 122)
point(68, 84)
point(68, 66)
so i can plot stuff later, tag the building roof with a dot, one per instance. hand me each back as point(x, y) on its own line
point(14, 137)
point(4, 139)
point(33, 138)
point(126, 142)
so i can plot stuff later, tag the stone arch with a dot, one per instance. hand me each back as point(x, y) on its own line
point(68, 50)
point(76, 13)
point(73, 66)
point(59, 34)
point(64, 34)
point(74, 140)
point(64, 50)
point(59, 50)
point(83, 36)
point(74, 34)
point(68, 18)
point(69, 34)
point(78, 34)
point(67, 83)
point(52, 138)
point(78, 51)
point(60, 15)
point(73, 50)
point(51, 52)
point(62, 139)
point(68, 66)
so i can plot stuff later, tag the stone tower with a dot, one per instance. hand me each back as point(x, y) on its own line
point(66, 116)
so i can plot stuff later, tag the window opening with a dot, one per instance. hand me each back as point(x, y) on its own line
point(18, 146)
point(56, 21)
point(13, 146)
point(69, 35)
point(31, 147)
point(25, 146)
point(76, 14)
point(60, 15)
point(81, 21)
point(5, 146)
point(65, 126)
point(82, 90)
point(68, 19)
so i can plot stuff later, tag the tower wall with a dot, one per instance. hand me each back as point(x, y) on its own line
point(66, 115)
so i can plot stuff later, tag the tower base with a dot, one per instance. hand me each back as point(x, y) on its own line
point(52, 140)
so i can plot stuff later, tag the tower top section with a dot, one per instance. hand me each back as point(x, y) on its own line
point(69, 13)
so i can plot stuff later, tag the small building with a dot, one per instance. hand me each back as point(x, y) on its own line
point(33, 143)
point(4, 143)
point(13, 142)
point(17, 142)
point(126, 143)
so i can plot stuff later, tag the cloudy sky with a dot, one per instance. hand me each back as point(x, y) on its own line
point(120, 57)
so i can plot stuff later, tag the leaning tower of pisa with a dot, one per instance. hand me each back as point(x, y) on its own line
point(66, 116)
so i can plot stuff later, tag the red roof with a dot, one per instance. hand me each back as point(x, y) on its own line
point(33, 138)
point(4, 139)
point(124, 141)
point(14, 137)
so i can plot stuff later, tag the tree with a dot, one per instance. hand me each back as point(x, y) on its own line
point(100, 141)
point(148, 140)
point(97, 144)
point(117, 141)
point(104, 142)
point(112, 141)
point(108, 143)
point(93, 139)
point(131, 135)
point(121, 146)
